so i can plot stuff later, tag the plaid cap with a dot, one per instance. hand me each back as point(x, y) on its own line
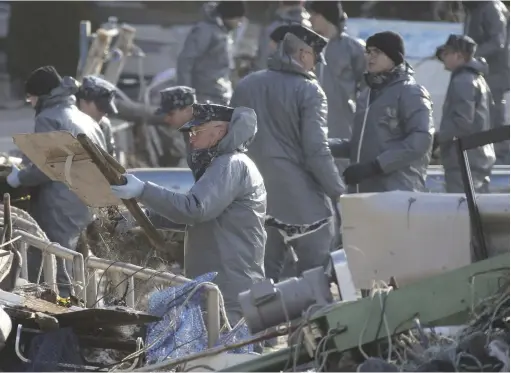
point(203, 113)
point(308, 36)
point(100, 91)
point(175, 98)
point(457, 43)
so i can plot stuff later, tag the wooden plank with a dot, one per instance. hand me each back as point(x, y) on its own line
point(49, 151)
point(432, 300)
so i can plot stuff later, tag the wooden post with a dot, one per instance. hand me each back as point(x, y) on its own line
point(123, 47)
point(84, 46)
point(97, 53)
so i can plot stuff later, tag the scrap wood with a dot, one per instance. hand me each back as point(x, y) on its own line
point(113, 171)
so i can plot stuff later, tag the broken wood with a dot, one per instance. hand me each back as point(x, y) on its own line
point(97, 53)
point(122, 47)
point(114, 175)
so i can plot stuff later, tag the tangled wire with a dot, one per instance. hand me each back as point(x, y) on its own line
point(483, 345)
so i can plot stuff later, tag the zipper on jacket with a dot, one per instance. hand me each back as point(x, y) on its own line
point(359, 148)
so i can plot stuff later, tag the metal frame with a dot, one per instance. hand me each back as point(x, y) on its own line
point(134, 271)
point(54, 250)
point(87, 290)
point(463, 144)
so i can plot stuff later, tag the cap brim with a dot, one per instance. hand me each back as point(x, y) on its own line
point(441, 49)
point(321, 59)
point(159, 111)
point(189, 125)
point(112, 109)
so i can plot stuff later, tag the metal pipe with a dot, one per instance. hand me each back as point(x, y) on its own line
point(213, 293)
point(61, 252)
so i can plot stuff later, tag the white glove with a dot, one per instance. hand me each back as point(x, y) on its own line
point(132, 189)
point(12, 179)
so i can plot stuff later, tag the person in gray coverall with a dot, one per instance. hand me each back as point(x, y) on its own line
point(487, 23)
point(288, 12)
point(176, 106)
point(57, 210)
point(466, 110)
point(206, 60)
point(393, 130)
point(225, 209)
point(96, 98)
point(290, 148)
point(343, 74)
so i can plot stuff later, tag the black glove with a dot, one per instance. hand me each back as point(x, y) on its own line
point(357, 172)
point(436, 142)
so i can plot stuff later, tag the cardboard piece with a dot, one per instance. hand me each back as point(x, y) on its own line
point(62, 158)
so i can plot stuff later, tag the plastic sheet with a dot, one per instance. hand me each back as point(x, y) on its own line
point(182, 330)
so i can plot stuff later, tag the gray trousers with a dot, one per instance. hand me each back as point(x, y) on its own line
point(64, 267)
point(498, 119)
point(312, 250)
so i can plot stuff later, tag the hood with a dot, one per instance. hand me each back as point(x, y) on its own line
point(210, 15)
point(293, 14)
point(241, 131)
point(478, 65)
point(64, 93)
point(280, 61)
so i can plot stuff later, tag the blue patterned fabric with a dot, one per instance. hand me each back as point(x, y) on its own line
point(182, 330)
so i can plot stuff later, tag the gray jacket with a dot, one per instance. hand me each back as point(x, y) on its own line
point(487, 22)
point(394, 125)
point(206, 60)
point(288, 15)
point(224, 212)
point(290, 148)
point(58, 211)
point(341, 79)
point(466, 110)
point(106, 128)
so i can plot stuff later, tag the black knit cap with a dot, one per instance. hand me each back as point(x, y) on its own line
point(42, 81)
point(330, 10)
point(231, 9)
point(389, 43)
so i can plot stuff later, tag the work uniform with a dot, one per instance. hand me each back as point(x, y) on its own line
point(466, 111)
point(284, 16)
point(290, 149)
point(206, 60)
point(102, 93)
point(393, 129)
point(224, 211)
point(487, 23)
point(58, 211)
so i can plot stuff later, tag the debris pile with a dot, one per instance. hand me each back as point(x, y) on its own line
point(483, 345)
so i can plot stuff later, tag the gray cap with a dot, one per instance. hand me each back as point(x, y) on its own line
point(175, 98)
point(307, 35)
point(100, 91)
point(457, 43)
point(203, 113)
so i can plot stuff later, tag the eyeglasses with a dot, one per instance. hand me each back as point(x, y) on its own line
point(194, 131)
point(373, 52)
